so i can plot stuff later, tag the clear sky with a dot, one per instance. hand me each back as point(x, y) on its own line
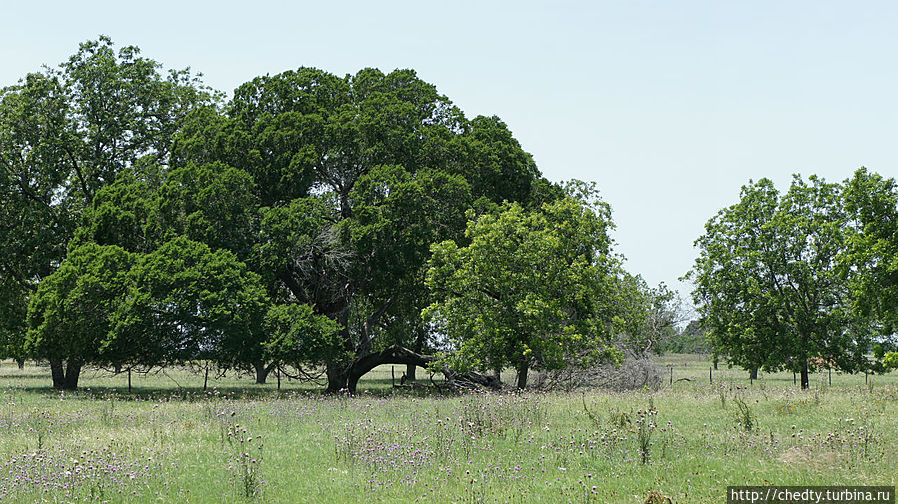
point(669, 106)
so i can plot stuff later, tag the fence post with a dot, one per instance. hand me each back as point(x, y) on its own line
point(711, 375)
point(671, 374)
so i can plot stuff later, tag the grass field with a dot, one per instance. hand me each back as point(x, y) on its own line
point(170, 441)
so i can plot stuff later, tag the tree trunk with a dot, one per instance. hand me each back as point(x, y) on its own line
point(337, 309)
point(21, 363)
point(336, 377)
point(522, 375)
point(262, 372)
point(753, 374)
point(338, 370)
point(72, 372)
point(715, 364)
point(57, 372)
point(420, 335)
point(352, 382)
point(65, 375)
point(805, 381)
point(391, 355)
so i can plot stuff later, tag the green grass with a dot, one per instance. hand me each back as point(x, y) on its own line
point(170, 441)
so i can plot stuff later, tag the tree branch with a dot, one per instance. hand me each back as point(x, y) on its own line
point(365, 339)
point(87, 193)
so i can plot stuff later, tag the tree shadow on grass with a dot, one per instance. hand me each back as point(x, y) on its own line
point(36, 380)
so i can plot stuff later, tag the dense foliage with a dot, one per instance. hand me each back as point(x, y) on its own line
point(65, 135)
point(530, 290)
point(323, 225)
point(790, 281)
point(148, 222)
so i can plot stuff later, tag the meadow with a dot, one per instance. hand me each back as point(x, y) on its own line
point(171, 441)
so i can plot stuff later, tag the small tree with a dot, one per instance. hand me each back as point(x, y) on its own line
point(647, 318)
point(71, 315)
point(690, 340)
point(188, 302)
point(531, 290)
point(299, 338)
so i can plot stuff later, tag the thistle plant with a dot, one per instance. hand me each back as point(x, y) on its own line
point(246, 461)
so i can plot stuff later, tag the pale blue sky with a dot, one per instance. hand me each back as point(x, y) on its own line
point(669, 106)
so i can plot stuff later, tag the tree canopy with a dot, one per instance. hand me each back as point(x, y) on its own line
point(72, 313)
point(531, 289)
point(324, 225)
point(871, 201)
point(773, 280)
point(66, 134)
point(289, 226)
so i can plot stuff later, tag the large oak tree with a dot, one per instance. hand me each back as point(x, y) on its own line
point(354, 178)
point(305, 191)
